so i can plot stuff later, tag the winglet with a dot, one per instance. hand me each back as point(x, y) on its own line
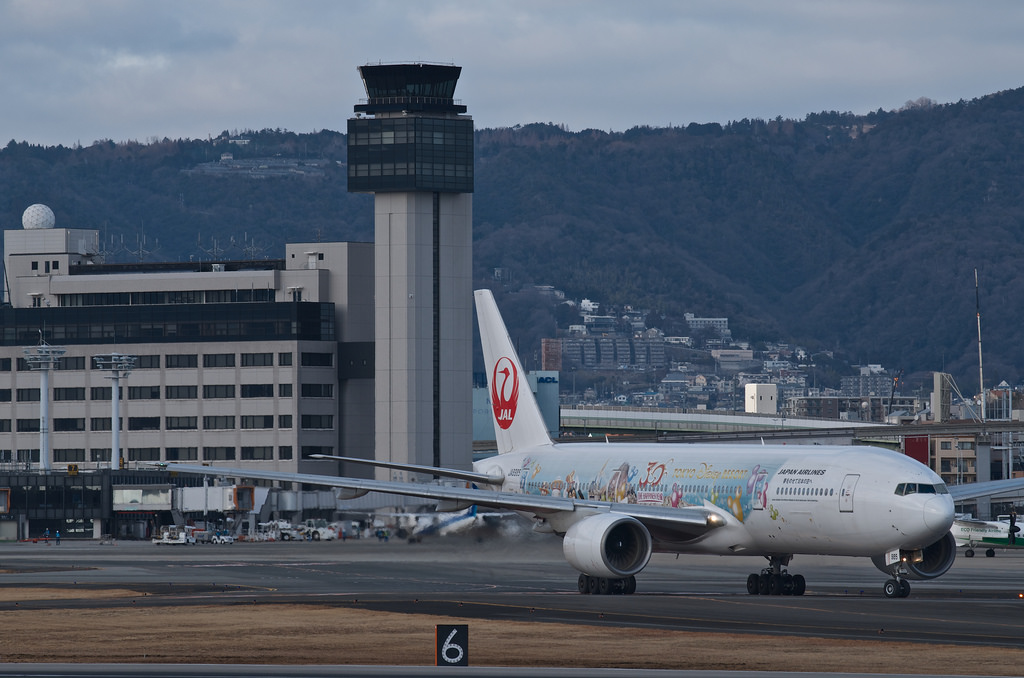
point(518, 423)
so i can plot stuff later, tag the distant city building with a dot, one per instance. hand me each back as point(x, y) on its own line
point(719, 325)
point(761, 399)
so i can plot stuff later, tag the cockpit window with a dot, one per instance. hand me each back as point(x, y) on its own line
point(921, 488)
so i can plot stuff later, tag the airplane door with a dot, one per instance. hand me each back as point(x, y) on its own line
point(846, 493)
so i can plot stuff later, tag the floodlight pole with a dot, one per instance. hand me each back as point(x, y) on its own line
point(118, 365)
point(42, 358)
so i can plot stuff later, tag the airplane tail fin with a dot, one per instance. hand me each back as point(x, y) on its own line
point(517, 420)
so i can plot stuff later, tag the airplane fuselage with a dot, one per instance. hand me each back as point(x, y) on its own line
point(774, 499)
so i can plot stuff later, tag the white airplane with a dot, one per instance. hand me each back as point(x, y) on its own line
point(614, 505)
point(1002, 533)
point(415, 526)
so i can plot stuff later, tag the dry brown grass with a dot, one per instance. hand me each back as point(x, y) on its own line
point(313, 634)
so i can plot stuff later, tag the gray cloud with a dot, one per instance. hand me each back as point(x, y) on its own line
point(75, 72)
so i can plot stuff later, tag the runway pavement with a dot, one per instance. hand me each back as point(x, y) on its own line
point(977, 603)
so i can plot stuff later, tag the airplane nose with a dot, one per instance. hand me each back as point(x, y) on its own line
point(938, 513)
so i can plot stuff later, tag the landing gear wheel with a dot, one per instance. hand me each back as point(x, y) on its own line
point(753, 584)
point(629, 585)
point(893, 589)
point(775, 585)
point(990, 553)
point(904, 588)
point(592, 585)
point(799, 584)
point(583, 584)
point(969, 553)
point(604, 586)
point(762, 584)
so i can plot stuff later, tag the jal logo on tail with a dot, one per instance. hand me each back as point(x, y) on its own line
point(504, 392)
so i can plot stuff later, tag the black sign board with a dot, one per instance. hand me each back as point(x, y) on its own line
point(451, 643)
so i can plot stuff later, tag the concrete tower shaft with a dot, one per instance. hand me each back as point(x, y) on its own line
point(411, 144)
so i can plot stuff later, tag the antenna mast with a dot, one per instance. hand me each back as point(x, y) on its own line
point(981, 372)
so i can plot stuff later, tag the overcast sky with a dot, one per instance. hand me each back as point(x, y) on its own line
point(75, 71)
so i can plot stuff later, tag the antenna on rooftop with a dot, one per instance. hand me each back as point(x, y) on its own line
point(981, 372)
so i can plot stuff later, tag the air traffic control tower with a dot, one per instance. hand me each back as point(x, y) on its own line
point(411, 145)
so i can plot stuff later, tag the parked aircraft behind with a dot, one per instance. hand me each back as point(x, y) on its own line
point(1002, 533)
point(614, 504)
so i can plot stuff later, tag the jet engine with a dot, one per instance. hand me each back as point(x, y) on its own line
point(608, 545)
point(927, 563)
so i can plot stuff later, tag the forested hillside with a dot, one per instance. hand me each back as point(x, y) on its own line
point(851, 233)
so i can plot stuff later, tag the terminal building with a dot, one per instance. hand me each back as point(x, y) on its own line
point(244, 363)
point(353, 349)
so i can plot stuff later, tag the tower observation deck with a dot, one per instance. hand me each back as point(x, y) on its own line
point(411, 145)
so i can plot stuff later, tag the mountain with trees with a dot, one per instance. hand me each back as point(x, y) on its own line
point(857, 234)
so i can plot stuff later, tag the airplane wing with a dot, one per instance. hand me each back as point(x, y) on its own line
point(985, 489)
point(690, 521)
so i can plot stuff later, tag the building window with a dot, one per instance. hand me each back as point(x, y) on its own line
point(28, 395)
point(147, 362)
point(103, 424)
point(257, 390)
point(317, 390)
point(143, 423)
point(257, 360)
point(5, 364)
point(284, 390)
point(284, 452)
point(71, 362)
point(28, 426)
point(28, 456)
point(214, 422)
point(219, 391)
point(260, 452)
point(182, 453)
point(218, 360)
point(284, 421)
point(318, 421)
point(181, 360)
point(143, 454)
point(284, 359)
point(68, 455)
point(257, 421)
point(180, 392)
point(69, 393)
point(103, 392)
point(945, 445)
point(5, 425)
point(218, 453)
point(317, 359)
point(5, 395)
point(62, 424)
point(99, 454)
point(143, 393)
point(180, 423)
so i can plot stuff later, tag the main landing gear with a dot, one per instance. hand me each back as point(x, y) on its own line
point(989, 553)
point(896, 587)
point(775, 581)
point(605, 585)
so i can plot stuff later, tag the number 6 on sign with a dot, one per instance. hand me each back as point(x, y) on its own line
point(451, 645)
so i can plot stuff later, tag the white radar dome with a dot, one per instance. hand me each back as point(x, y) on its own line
point(38, 216)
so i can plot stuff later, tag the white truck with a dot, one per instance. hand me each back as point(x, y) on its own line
point(173, 534)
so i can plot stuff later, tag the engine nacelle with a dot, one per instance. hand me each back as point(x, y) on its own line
point(608, 545)
point(928, 563)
